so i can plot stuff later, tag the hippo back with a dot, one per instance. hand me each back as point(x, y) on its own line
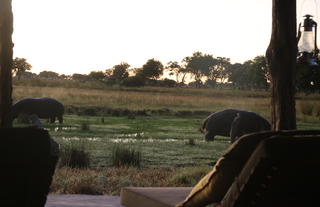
point(220, 122)
point(248, 122)
point(43, 107)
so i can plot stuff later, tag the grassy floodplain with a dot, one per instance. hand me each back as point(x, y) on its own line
point(171, 146)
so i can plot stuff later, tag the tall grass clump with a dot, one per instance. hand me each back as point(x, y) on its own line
point(85, 126)
point(74, 155)
point(123, 156)
point(189, 176)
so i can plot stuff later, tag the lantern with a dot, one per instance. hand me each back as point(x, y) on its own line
point(307, 42)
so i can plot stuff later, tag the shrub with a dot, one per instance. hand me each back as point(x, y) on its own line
point(133, 81)
point(124, 157)
point(167, 83)
point(74, 156)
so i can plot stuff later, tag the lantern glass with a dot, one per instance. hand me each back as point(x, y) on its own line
point(306, 42)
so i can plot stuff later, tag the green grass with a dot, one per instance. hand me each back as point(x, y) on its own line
point(161, 140)
point(163, 148)
point(167, 157)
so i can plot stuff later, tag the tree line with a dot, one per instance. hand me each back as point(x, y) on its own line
point(197, 70)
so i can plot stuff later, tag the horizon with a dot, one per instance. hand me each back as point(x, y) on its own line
point(65, 41)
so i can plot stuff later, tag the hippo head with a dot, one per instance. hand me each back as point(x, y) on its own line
point(209, 137)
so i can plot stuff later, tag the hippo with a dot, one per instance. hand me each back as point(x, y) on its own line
point(220, 122)
point(44, 108)
point(245, 123)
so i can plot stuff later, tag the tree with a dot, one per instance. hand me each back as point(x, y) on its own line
point(6, 51)
point(152, 69)
point(219, 69)
point(20, 65)
point(48, 75)
point(259, 74)
point(176, 69)
point(134, 81)
point(119, 72)
point(239, 75)
point(64, 77)
point(26, 75)
point(251, 74)
point(79, 77)
point(199, 64)
point(281, 58)
point(96, 75)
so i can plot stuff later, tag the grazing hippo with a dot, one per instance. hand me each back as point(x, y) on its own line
point(219, 123)
point(44, 108)
point(248, 122)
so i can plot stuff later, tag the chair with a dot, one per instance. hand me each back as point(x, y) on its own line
point(272, 168)
point(27, 167)
point(282, 171)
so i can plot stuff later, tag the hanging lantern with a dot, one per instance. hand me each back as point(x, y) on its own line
point(307, 42)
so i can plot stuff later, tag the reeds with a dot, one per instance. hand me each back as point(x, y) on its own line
point(123, 156)
point(74, 155)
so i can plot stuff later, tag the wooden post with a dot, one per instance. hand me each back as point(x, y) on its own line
point(6, 50)
point(281, 58)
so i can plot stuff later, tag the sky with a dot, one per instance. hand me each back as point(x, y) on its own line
point(80, 36)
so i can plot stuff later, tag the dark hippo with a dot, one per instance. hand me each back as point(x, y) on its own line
point(44, 108)
point(219, 123)
point(248, 122)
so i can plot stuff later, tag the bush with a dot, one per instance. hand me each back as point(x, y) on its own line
point(125, 157)
point(134, 81)
point(74, 156)
point(167, 83)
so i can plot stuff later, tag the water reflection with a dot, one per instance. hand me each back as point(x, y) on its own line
point(60, 128)
point(132, 140)
point(84, 138)
point(139, 134)
point(118, 140)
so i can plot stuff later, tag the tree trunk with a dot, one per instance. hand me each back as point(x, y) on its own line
point(6, 46)
point(281, 58)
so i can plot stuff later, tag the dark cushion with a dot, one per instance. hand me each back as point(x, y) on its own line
point(26, 165)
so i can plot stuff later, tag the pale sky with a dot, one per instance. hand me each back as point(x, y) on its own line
point(79, 36)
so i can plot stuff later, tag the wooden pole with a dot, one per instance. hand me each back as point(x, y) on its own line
point(6, 51)
point(281, 58)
